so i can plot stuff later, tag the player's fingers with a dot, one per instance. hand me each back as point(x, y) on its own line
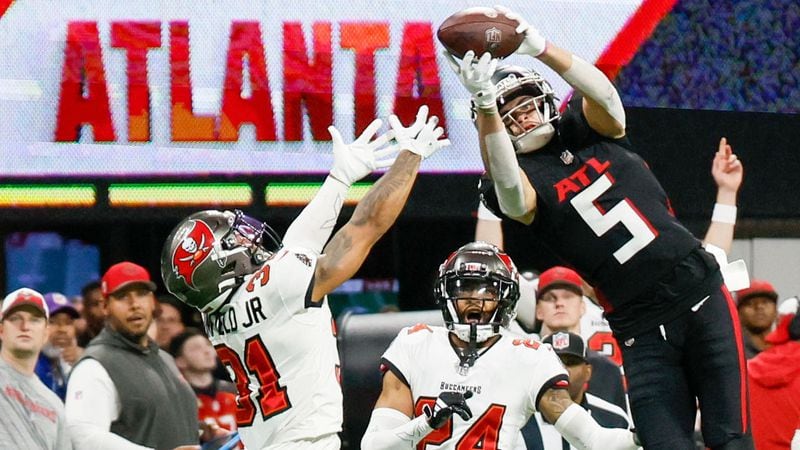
point(422, 116)
point(463, 411)
point(502, 9)
point(492, 67)
point(443, 143)
point(336, 137)
point(382, 139)
point(466, 63)
point(451, 61)
point(723, 143)
point(394, 122)
point(370, 131)
point(484, 62)
point(386, 151)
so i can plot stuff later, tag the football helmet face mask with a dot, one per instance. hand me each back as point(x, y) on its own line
point(513, 82)
point(210, 252)
point(472, 272)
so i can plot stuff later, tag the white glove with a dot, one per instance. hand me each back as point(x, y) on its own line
point(534, 43)
point(355, 161)
point(476, 76)
point(422, 137)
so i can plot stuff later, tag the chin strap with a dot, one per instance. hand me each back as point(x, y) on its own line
point(470, 354)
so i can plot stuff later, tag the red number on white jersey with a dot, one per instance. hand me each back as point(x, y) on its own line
point(483, 434)
point(604, 342)
point(272, 397)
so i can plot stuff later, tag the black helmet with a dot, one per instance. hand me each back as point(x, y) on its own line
point(514, 81)
point(477, 265)
point(210, 252)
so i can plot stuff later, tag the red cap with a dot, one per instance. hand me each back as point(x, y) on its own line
point(559, 277)
point(758, 288)
point(124, 274)
point(25, 296)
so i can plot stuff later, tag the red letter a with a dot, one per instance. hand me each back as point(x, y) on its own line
point(83, 68)
point(257, 108)
point(418, 63)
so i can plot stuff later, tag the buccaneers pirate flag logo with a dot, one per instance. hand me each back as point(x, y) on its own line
point(195, 247)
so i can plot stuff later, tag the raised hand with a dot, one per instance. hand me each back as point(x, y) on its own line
point(476, 75)
point(422, 137)
point(534, 43)
point(447, 403)
point(726, 168)
point(352, 162)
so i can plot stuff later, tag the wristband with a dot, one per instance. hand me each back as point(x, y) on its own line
point(724, 214)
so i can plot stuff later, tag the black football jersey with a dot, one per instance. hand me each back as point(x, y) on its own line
point(600, 208)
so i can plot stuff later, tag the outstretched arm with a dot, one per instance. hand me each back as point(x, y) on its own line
point(728, 172)
point(379, 209)
point(312, 228)
point(514, 191)
point(578, 427)
point(602, 105)
point(489, 228)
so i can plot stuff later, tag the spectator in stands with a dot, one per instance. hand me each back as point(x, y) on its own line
point(758, 310)
point(80, 322)
point(169, 320)
point(32, 415)
point(94, 312)
point(196, 359)
point(775, 387)
point(560, 305)
point(571, 349)
point(61, 351)
point(124, 391)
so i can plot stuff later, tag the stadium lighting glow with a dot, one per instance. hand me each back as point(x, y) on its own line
point(299, 194)
point(50, 195)
point(179, 194)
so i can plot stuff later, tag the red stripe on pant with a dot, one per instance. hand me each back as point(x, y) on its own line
point(737, 329)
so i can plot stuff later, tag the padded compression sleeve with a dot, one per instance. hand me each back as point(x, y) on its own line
point(313, 227)
point(390, 429)
point(505, 174)
point(580, 430)
point(594, 84)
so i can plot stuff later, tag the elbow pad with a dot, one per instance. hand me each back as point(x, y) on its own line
point(594, 84)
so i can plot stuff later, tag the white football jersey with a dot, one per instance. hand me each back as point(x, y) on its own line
point(596, 332)
point(281, 353)
point(507, 381)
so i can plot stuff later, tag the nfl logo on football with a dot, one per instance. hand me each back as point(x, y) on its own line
point(493, 35)
point(560, 340)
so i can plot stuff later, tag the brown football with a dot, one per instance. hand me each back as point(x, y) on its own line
point(479, 29)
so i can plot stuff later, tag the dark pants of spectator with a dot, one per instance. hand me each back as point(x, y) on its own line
point(699, 356)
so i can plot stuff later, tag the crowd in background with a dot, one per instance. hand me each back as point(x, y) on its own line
point(562, 312)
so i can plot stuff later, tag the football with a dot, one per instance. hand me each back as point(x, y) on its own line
point(481, 30)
